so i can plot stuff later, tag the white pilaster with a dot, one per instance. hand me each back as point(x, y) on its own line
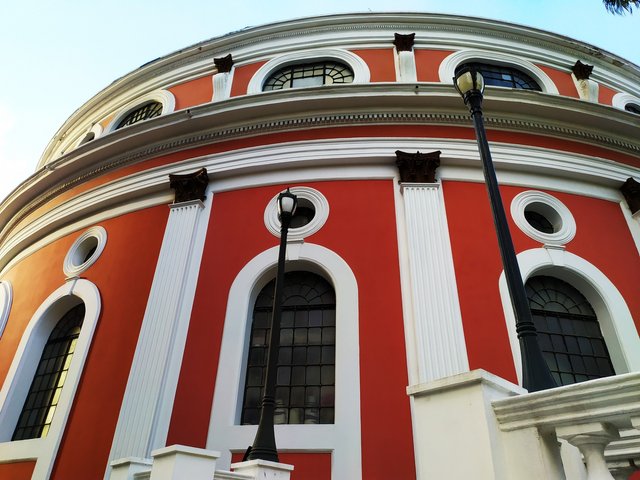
point(407, 67)
point(148, 400)
point(440, 345)
point(221, 86)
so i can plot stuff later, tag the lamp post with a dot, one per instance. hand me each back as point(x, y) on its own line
point(264, 443)
point(535, 372)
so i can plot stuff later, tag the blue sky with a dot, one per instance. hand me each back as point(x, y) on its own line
point(57, 55)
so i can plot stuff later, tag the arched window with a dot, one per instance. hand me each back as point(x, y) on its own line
point(144, 112)
point(633, 108)
point(51, 373)
point(503, 76)
point(313, 74)
point(568, 331)
point(306, 362)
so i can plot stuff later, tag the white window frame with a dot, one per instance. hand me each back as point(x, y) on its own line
point(617, 325)
point(342, 438)
point(620, 100)
point(18, 381)
point(165, 97)
point(449, 64)
point(359, 67)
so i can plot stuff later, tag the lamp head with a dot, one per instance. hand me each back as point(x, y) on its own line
point(287, 203)
point(468, 81)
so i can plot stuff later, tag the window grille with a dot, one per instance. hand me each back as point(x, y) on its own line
point(503, 76)
point(146, 111)
point(309, 75)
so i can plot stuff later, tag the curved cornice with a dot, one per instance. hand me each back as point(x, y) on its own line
point(363, 30)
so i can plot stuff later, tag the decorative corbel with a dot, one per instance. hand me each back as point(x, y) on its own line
point(189, 186)
point(404, 43)
point(631, 191)
point(417, 167)
point(223, 64)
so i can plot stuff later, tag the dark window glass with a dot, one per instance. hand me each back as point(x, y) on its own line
point(306, 359)
point(46, 387)
point(568, 329)
point(309, 75)
point(633, 108)
point(501, 76)
point(538, 221)
point(146, 111)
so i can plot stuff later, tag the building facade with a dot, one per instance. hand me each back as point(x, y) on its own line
point(137, 262)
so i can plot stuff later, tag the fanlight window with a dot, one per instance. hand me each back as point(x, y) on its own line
point(48, 381)
point(309, 75)
point(146, 111)
point(503, 76)
point(568, 331)
point(306, 362)
point(633, 108)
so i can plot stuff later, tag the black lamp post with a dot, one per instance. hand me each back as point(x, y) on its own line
point(264, 444)
point(535, 372)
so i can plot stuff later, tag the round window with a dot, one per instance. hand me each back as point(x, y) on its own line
point(543, 217)
point(85, 251)
point(304, 213)
point(311, 214)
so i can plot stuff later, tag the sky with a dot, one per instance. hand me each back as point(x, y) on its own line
point(56, 55)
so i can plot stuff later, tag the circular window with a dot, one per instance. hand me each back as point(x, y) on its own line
point(543, 217)
point(311, 214)
point(85, 251)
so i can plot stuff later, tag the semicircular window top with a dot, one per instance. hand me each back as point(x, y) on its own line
point(503, 76)
point(568, 331)
point(143, 112)
point(51, 373)
point(305, 388)
point(311, 74)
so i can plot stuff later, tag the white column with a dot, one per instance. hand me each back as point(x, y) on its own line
point(440, 345)
point(148, 400)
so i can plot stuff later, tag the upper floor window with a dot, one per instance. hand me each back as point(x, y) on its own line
point(48, 381)
point(309, 75)
point(568, 331)
point(633, 108)
point(503, 76)
point(306, 362)
point(146, 111)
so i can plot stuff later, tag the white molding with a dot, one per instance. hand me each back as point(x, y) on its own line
point(165, 97)
point(553, 209)
point(222, 82)
point(343, 438)
point(433, 293)
point(6, 298)
point(144, 418)
point(620, 100)
point(74, 263)
point(587, 88)
point(405, 66)
point(24, 364)
point(359, 67)
point(449, 64)
point(617, 325)
point(320, 205)
point(633, 221)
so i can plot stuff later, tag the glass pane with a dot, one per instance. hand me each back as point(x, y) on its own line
point(297, 396)
point(286, 336)
point(313, 355)
point(328, 376)
point(300, 355)
point(313, 375)
point(326, 415)
point(284, 375)
point(297, 376)
point(315, 336)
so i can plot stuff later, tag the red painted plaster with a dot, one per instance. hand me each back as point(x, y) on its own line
point(562, 80)
point(428, 62)
point(380, 62)
point(17, 471)
point(193, 92)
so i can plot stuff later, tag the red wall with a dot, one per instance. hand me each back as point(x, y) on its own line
point(361, 229)
point(380, 62)
point(194, 92)
point(16, 471)
point(123, 275)
point(602, 238)
point(428, 62)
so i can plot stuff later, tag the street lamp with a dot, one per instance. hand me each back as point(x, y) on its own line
point(264, 444)
point(535, 372)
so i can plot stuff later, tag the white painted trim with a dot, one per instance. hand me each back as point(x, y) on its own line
point(343, 437)
point(74, 263)
point(222, 85)
point(620, 100)
point(614, 316)
point(359, 67)
point(165, 97)
point(552, 209)
point(316, 198)
point(633, 221)
point(405, 62)
point(25, 361)
point(6, 298)
point(449, 64)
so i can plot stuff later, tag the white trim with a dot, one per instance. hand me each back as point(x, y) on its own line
point(449, 64)
point(552, 209)
point(320, 205)
point(222, 82)
point(25, 361)
point(343, 437)
point(614, 316)
point(165, 97)
point(6, 298)
point(359, 67)
point(74, 263)
point(620, 100)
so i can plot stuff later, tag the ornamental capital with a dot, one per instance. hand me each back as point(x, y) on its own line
point(189, 186)
point(417, 167)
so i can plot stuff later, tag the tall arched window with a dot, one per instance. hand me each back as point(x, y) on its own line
point(568, 331)
point(503, 76)
point(306, 362)
point(48, 381)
